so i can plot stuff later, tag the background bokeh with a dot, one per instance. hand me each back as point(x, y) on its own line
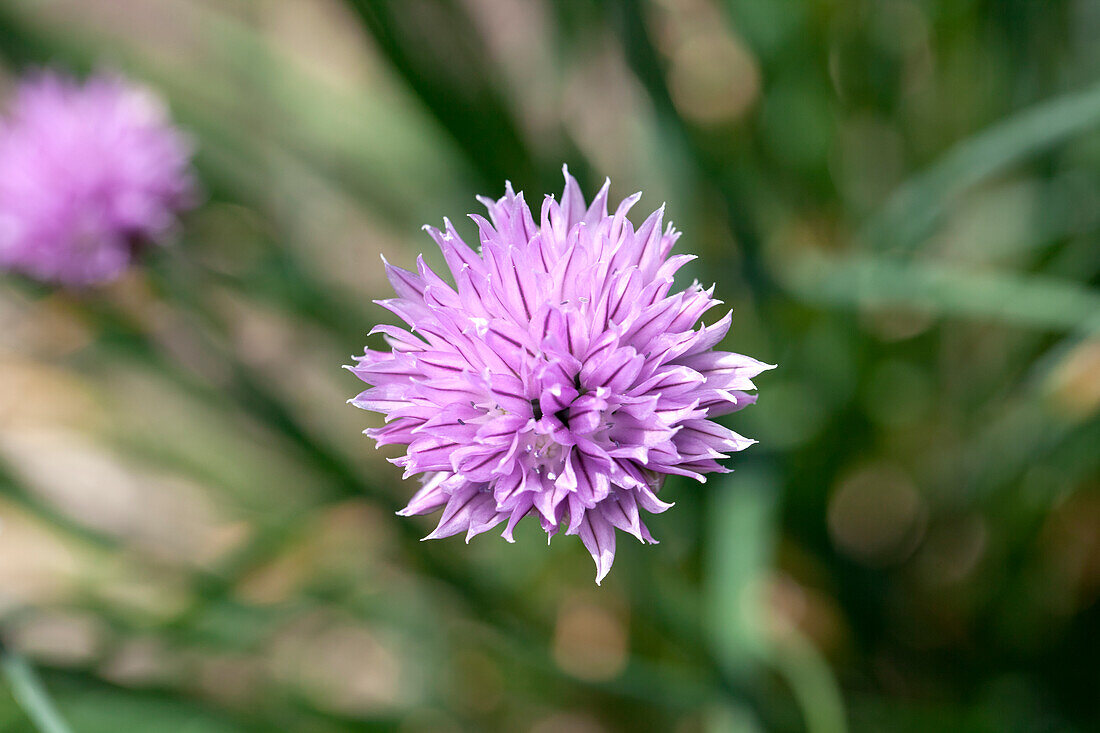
point(899, 198)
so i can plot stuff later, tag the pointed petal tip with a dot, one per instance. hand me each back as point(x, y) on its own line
point(569, 177)
point(603, 567)
point(435, 535)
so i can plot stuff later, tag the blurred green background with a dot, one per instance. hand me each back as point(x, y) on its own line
point(899, 198)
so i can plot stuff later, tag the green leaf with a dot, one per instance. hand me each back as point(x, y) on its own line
point(438, 51)
point(1033, 301)
point(915, 209)
point(741, 539)
point(742, 536)
point(29, 692)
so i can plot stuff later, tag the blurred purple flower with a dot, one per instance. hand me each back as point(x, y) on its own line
point(560, 379)
point(88, 173)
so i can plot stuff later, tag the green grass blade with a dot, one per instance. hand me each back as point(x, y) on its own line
point(28, 691)
point(913, 211)
point(1033, 301)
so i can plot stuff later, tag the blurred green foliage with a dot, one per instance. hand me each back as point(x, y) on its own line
point(900, 200)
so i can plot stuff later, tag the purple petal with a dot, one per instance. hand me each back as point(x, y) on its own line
point(598, 536)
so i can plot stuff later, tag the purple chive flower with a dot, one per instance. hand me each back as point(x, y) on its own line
point(88, 173)
point(558, 377)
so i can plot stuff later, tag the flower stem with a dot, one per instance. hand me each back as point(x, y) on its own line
point(28, 691)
